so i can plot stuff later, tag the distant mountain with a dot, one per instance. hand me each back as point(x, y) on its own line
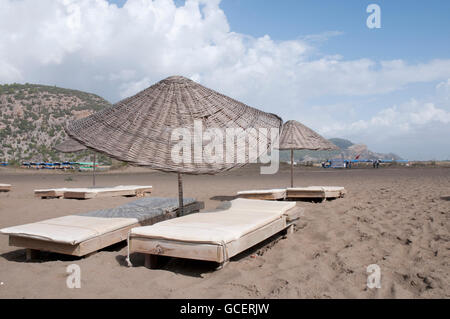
point(32, 119)
point(342, 143)
point(363, 152)
point(348, 150)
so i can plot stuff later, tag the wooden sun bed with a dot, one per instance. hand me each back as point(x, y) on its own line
point(311, 192)
point(83, 234)
point(214, 236)
point(91, 192)
point(269, 194)
point(315, 192)
point(5, 187)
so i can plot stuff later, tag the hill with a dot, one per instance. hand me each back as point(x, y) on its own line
point(32, 119)
point(341, 143)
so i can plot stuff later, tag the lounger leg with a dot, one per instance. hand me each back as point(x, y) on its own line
point(32, 254)
point(222, 264)
point(151, 261)
point(289, 230)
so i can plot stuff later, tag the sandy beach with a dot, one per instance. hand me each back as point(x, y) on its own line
point(397, 218)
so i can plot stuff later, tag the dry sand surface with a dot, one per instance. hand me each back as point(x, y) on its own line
point(397, 218)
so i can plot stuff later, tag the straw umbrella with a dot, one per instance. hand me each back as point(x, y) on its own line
point(72, 146)
point(296, 136)
point(138, 130)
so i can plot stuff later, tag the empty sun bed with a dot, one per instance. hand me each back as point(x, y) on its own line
point(311, 192)
point(214, 236)
point(82, 234)
point(268, 194)
point(94, 192)
point(5, 187)
point(315, 192)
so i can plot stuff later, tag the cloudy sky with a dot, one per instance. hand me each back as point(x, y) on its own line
point(316, 63)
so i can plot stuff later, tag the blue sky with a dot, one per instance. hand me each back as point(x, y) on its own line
point(312, 61)
point(413, 30)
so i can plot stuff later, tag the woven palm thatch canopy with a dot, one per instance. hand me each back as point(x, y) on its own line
point(296, 136)
point(70, 146)
point(138, 129)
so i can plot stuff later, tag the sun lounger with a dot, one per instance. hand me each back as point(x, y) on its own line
point(49, 193)
point(5, 187)
point(214, 236)
point(269, 194)
point(319, 192)
point(93, 192)
point(82, 234)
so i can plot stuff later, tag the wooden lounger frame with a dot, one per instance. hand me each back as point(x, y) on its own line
point(152, 248)
point(92, 245)
point(58, 193)
point(292, 193)
point(49, 193)
point(319, 194)
point(125, 192)
point(5, 187)
point(278, 195)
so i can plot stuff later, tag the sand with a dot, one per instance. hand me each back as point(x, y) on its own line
point(397, 218)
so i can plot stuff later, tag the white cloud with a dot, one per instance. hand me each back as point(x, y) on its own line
point(323, 36)
point(115, 52)
point(418, 129)
point(396, 120)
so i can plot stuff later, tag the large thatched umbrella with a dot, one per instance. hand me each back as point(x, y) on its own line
point(72, 146)
point(296, 136)
point(138, 130)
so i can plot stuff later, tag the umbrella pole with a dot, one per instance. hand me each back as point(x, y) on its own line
point(93, 171)
point(180, 195)
point(292, 168)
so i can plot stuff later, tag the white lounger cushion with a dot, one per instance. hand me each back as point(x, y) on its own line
point(256, 205)
point(52, 189)
point(317, 188)
point(72, 229)
point(95, 189)
point(308, 188)
point(263, 191)
point(330, 188)
point(219, 227)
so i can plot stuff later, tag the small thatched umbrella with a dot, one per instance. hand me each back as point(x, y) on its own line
point(138, 130)
point(72, 146)
point(296, 136)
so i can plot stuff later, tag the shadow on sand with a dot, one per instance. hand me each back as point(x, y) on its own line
point(197, 268)
point(19, 255)
point(223, 198)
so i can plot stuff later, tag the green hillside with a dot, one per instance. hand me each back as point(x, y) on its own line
point(32, 119)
